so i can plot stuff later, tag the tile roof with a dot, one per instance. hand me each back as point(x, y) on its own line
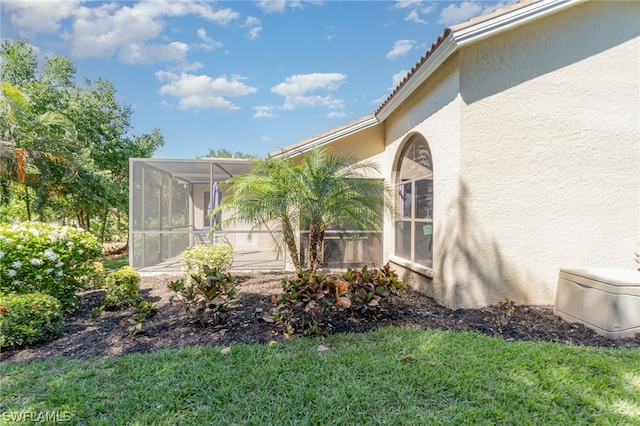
point(448, 31)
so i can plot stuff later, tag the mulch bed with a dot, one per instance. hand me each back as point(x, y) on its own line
point(106, 335)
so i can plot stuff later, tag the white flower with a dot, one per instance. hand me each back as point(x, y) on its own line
point(15, 282)
point(17, 264)
point(35, 232)
point(59, 273)
point(9, 241)
point(80, 251)
point(11, 273)
point(2, 254)
point(59, 264)
point(70, 244)
point(20, 247)
point(50, 254)
point(49, 271)
point(36, 262)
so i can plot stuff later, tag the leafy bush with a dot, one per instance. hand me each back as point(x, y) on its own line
point(143, 318)
point(29, 318)
point(218, 257)
point(306, 298)
point(99, 275)
point(47, 258)
point(122, 288)
point(204, 298)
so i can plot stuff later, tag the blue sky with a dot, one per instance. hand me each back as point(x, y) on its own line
point(248, 76)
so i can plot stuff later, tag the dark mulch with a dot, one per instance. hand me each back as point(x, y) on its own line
point(85, 336)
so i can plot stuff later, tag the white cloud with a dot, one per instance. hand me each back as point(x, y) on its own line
point(254, 25)
point(265, 139)
point(403, 4)
point(336, 114)
point(272, 6)
point(279, 6)
point(202, 91)
point(455, 14)
point(414, 17)
point(400, 48)
point(417, 10)
point(151, 53)
point(39, 16)
point(397, 78)
point(297, 90)
point(128, 30)
point(265, 111)
point(207, 42)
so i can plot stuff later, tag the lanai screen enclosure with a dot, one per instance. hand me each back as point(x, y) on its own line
point(169, 202)
point(168, 212)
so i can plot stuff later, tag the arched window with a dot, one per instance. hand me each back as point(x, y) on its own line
point(414, 189)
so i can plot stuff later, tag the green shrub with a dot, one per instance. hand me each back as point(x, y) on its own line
point(204, 298)
point(306, 298)
point(47, 258)
point(28, 318)
point(99, 275)
point(143, 318)
point(218, 257)
point(122, 288)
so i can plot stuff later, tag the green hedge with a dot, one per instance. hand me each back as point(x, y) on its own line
point(29, 318)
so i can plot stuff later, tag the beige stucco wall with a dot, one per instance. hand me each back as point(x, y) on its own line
point(434, 112)
point(536, 148)
point(550, 171)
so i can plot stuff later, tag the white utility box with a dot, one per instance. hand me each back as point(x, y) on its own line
point(606, 300)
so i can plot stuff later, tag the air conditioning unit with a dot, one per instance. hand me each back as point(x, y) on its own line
point(606, 300)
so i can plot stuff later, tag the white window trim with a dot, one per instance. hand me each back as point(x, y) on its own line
point(415, 267)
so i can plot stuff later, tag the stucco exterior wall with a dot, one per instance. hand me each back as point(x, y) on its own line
point(550, 155)
point(434, 112)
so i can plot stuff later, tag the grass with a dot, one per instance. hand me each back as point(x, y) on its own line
point(393, 376)
point(115, 263)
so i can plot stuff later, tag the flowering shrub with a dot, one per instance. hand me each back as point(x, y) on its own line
point(217, 257)
point(122, 288)
point(47, 258)
point(28, 318)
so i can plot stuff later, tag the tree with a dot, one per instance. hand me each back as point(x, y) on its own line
point(30, 140)
point(324, 192)
point(225, 153)
point(69, 143)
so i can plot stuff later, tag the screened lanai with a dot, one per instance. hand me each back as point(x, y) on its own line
point(169, 205)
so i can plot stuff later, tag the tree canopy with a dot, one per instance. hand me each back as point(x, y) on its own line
point(65, 145)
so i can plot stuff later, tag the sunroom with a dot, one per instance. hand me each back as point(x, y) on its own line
point(170, 201)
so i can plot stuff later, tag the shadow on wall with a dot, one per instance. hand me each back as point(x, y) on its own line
point(472, 270)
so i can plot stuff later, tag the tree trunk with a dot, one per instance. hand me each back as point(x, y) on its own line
point(314, 247)
point(103, 227)
point(290, 241)
point(27, 202)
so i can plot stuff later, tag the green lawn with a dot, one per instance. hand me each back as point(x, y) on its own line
point(393, 376)
point(115, 264)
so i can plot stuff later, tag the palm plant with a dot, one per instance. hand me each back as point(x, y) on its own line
point(29, 139)
point(323, 192)
point(264, 198)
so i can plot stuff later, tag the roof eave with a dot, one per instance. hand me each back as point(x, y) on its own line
point(465, 34)
point(327, 138)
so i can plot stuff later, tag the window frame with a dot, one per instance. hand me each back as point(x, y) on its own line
point(407, 184)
